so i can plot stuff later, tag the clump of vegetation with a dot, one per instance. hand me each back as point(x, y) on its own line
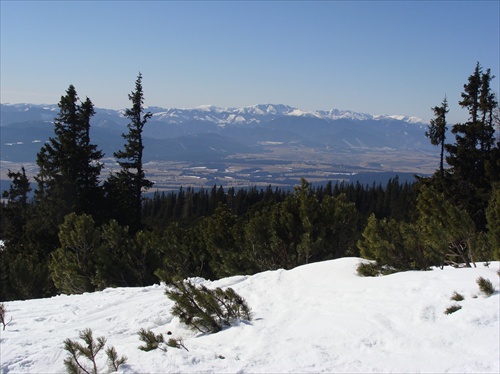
point(151, 340)
point(374, 269)
point(89, 351)
point(3, 317)
point(452, 309)
point(205, 310)
point(176, 343)
point(485, 286)
point(456, 296)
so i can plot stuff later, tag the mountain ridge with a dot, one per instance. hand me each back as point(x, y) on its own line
point(253, 137)
point(222, 116)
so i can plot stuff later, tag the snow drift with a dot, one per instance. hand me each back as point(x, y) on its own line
point(316, 318)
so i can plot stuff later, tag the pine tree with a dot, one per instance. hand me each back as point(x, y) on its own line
point(437, 131)
point(73, 265)
point(206, 310)
point(493, 217)
point(69, 165)
point(448, 231)
point(472, 157)
point(16, 211)
point(126, 186)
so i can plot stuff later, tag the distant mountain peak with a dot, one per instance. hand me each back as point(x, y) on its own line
point(227, 116)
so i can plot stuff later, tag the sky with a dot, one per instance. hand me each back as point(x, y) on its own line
point(376, 57)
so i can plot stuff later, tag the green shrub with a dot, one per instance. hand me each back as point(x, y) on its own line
point(374, 269)
point(452, 309)
point(368, 269)
point(176, 343)
point(152, 341)
point(485, 286)
point(207, 311)
point(89, 351)
point(457, 297)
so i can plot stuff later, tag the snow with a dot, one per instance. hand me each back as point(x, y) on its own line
point(316, 318)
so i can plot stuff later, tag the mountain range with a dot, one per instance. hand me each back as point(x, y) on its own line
point(209, 132)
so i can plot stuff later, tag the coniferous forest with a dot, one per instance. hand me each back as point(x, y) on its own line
point(81, 233)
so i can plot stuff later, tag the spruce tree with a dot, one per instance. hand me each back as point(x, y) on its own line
point(126, 186)
point(472, 157)
point(437, 131)
point(493, 218)
point(69, 165)
point(15, 212)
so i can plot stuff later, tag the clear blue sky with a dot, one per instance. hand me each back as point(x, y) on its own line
point(378, 57)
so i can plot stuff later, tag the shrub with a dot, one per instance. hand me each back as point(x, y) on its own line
point(3, 317)
point(176, 343)
point(207, 311)
point(456, 296)
point(452, 309)
point(485, 286)
point(89, 351)
point(368, 270)
point(374, 269)
point(114, 361)
point(152, 341)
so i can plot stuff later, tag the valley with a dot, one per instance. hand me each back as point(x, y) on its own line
point(240, 147)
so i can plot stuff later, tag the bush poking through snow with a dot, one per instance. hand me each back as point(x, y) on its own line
point(89, 351)
point(176, 343)
point(152, 341)
point(114, 361)
point(207, 311)
point(3, 317)
point(368, 270)
point(374, 269)
point(456, 296)
point(452, 309)
point(485, 286)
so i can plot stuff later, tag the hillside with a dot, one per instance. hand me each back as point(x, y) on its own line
point(316, 318)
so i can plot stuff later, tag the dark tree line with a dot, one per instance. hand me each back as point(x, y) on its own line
point(82, 233)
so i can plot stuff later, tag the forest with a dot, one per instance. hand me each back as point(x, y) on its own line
point(83, 232)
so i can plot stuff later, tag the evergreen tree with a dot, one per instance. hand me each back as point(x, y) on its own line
point(397, 245)
point(127, 185)
point(493, 217)
point(16, 212)
point(472, 157)
point(437, 131)
point(116, 258)
point(14, 218)
point(448, 231)
point(69, 165)
point(73, 265)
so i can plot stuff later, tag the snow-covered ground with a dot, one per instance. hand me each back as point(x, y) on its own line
point(316, 318)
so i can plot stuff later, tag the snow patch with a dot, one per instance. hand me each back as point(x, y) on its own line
point(320, 317)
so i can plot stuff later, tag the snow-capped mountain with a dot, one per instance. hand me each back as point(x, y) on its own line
point(220, 116)
point(261, 113)
point(212, 132)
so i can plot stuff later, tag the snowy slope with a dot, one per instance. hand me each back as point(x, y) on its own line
point(316, 318)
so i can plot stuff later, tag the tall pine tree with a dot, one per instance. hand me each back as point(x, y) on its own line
point(472, 157)
point(126, 186)
point(69, 165)
point(437, 131)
